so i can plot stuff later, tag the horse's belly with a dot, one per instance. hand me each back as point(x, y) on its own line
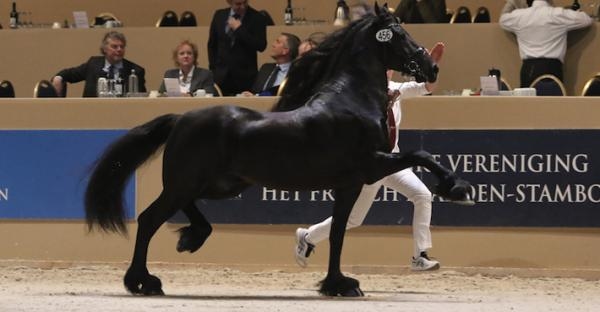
point(306, 174)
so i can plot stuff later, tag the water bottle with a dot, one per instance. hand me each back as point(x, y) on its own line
point(117, 87)
point(14, 17)
point(132, 84)
point(288, 17)
point(102, 87)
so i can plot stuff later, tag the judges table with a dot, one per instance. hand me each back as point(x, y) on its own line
point(30, 55)
point(542, 243)
point(432, 112)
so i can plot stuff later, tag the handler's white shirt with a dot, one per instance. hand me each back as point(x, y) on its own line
point(542, 29)
point(407, 90)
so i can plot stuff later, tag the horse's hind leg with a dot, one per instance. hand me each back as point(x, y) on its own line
point(137, 279)
point(192, 237)
point(335, 283)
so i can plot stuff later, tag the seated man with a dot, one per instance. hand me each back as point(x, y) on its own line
point(112, 65)
point(284, 50)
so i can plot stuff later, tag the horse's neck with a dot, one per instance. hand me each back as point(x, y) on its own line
point(367, 70)
point(366, 79)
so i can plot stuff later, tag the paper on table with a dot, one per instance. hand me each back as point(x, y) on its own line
point(489, 85)
point(81, 19)
point(172, 86)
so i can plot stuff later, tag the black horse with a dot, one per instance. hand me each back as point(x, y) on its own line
point(336, 139)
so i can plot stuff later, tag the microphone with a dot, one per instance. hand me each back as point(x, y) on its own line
point(236, 16)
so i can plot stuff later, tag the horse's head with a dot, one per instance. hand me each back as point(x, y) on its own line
point(401, 52)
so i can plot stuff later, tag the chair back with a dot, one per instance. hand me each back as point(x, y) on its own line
point(592, 86)
point(461, 15)
point(504, 85)
point(281, 87)
point(6, 89)
point(219, 92)
point(188, 19)
point(449, 14)
point(168, 19)
point(482, 16)
point(44, 89)
point(104, 17)
point(548, 85)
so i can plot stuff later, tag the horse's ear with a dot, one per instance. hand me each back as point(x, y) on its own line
point(376, 7)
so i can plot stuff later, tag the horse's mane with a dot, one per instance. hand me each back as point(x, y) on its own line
point(310, 71)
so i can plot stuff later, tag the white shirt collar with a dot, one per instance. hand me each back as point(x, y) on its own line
point(187, 79)
point(539, 3)
point(284, 67)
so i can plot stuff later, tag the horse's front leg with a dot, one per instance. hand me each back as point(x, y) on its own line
point(335, 283)
point(450, 186)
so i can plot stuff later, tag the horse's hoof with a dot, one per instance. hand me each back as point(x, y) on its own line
point(355, 292)
point(153, 292)
point(455, 190)
point(142, 283)
point(340, 285)
point(467, 201)
point(152, 286)
point(192, 238)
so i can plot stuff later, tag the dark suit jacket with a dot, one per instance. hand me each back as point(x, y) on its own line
point(237, 62)
point(425, 11)
point(201, 79)
point(91, 70)
point(261, 78)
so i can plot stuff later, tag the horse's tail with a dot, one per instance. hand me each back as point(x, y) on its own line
point(104, 193)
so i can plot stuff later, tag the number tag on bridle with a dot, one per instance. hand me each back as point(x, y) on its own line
point(384, 35)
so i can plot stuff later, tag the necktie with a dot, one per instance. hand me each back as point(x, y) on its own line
point(229, 31)
point(111, 72)
point(272, 78)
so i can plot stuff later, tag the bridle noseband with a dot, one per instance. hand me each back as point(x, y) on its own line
point(411, 65)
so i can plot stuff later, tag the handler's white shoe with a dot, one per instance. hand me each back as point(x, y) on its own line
point(424, 263)
point(303, 248)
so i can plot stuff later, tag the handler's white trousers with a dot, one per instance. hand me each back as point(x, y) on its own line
point(406, 183)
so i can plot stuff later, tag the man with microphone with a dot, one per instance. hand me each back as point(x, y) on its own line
point(237, 34)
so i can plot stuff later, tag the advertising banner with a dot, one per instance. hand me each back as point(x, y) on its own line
point(43, 173)
point(520, 178)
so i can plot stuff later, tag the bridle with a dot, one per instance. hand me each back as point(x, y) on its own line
point(411, 65)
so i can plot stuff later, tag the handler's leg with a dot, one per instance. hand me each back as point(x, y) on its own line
point(306, 239)
point(409, 185)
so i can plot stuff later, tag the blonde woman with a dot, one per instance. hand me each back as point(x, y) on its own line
point(190, 76)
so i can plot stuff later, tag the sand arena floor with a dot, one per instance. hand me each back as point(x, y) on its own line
point(98, 287)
